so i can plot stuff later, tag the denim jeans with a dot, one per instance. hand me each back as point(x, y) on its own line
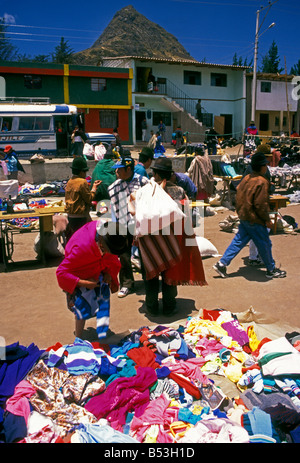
point(260, 236)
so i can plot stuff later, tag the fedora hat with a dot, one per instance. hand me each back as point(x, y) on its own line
point(79, 164)
point(164, 164)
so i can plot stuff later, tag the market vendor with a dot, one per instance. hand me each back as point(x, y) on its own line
point(89, 271)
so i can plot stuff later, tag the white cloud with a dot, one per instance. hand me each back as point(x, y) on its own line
point(9, 18)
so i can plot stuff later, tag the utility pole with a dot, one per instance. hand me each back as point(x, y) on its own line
point(257, 35)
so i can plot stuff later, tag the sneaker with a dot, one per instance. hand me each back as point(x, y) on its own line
point(255, 262)
point(221, 269)
point(123, 292)
point(276, 273)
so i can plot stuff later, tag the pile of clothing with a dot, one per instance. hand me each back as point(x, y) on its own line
point(157, 385)
point(56, 188)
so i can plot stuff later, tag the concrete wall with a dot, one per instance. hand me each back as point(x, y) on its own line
point(49, 171)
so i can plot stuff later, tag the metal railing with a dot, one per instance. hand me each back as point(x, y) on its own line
point(25, 100)
point(187, 103)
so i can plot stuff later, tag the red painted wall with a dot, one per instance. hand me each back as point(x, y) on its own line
point(92, 123)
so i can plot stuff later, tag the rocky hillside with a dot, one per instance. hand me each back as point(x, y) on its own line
point(131, 34)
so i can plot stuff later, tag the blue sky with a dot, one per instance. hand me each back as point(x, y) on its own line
point(213, 30)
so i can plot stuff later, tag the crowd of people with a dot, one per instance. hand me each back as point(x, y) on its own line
point(125, 184)
point(99, 255)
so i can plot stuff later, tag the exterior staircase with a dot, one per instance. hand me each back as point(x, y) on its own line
point(180, 102)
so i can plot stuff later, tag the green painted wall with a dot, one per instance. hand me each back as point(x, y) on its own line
point(80, 91)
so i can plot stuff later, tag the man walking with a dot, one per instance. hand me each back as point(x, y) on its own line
point(252, 206)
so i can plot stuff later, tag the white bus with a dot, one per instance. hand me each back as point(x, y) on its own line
point(41, 127)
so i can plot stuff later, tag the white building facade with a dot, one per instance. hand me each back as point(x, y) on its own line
point(177, 87)
point(276, 107)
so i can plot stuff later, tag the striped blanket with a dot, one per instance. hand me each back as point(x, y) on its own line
point(89, 303)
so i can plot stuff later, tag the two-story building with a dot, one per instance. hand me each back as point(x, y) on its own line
point(177, 87)
point(276, 108)
point(101, 95)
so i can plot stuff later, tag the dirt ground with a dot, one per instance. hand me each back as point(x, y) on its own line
point(33, 307)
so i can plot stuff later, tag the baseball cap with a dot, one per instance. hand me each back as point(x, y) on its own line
point(125, 161)
point(7, 148)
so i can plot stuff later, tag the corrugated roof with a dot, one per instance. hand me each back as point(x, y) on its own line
point(176, 61)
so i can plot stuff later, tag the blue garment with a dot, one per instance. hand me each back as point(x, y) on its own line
point(140, 170)
point(13, 369)
point(12, 162)
point(186, 183)
point(260, 236)
point(91, 303)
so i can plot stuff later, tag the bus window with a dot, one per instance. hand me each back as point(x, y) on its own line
point(6, 124)
point(26, 123)
point(42, 123)
point(34, 123)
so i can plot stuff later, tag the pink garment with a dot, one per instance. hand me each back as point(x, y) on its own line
point(46, 435)
point(123, 395)
point(189, 369)
point(83, 260)
point(18, 404)
point(207, 346)
point(157, 412)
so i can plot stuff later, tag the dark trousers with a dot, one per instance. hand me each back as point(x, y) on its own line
point(169, 293)
point(126, 274)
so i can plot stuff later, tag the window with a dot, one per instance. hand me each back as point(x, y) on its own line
point(218, 80)
point(192, 77)
point(6, 124)
point(98, 85)
point(161, 116)
point(33, 82)
point(34, 123)
point(265, 87)
point(109, 118)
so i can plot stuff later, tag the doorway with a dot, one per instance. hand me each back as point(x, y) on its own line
point(139, 117)
point(227, 125)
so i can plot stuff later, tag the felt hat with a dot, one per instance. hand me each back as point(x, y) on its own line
point(7, 148)
point(164, 164)
point(148, 152)
point(258, 160)
point(79, 164)
point(110, 232)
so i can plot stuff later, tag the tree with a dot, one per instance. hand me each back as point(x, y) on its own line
point(271, 61)
point(63, 53)
point(295, 70)
point(239, 61)
point(7, 50)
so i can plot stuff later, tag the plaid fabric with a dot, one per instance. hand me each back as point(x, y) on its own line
point(118, 192)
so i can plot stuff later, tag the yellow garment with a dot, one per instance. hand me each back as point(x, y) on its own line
point(233, 370)
point(253, 340)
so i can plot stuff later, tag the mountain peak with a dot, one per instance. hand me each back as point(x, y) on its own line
point(131, 34)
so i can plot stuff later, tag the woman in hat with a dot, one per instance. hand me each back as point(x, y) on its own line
point(182, 265)
point(78, 196)
point(11, 163)
point(89, 271)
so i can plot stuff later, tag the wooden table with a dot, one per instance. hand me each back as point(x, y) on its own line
point(44, 216)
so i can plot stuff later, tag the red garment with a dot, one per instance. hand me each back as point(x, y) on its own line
point(143, 357)
point(186, 384)
point(189, 271)
point(83, 260)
